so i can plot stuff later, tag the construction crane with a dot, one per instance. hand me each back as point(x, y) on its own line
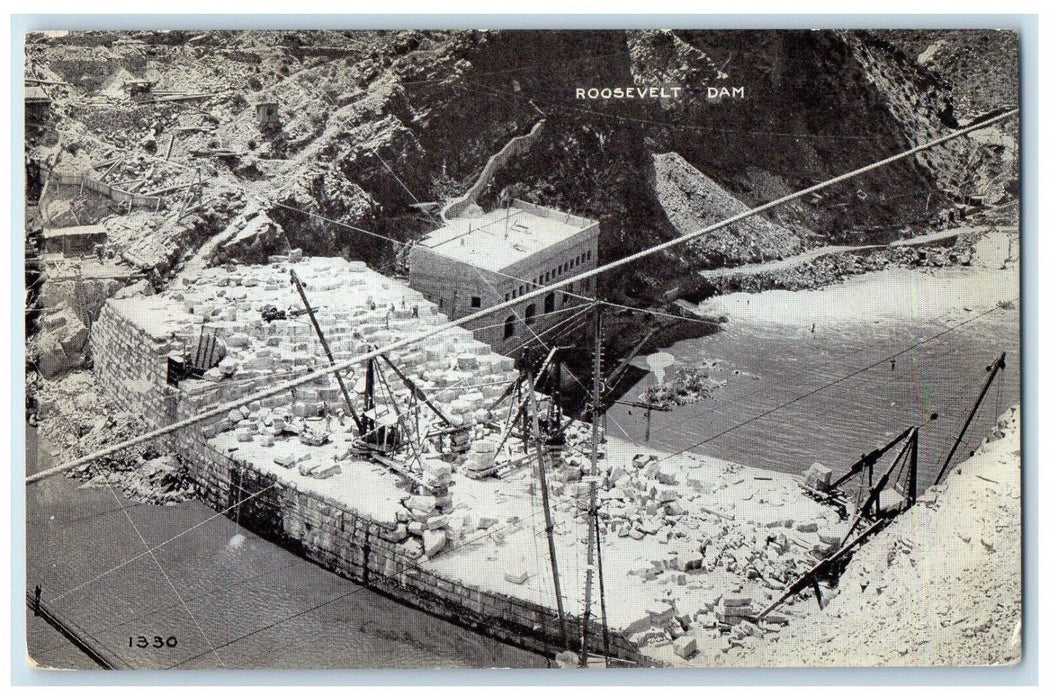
point(381, 442)
point(327, 351)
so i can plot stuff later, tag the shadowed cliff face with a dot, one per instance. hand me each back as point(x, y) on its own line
point(810, 111)
point(420, 125)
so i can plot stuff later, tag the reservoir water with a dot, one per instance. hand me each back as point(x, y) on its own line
point(259, 605)
point(832, 374)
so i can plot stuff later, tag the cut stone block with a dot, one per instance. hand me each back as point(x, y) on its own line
point(433, 542)
point(817, 477)
point(518, 576)
point(666, 474)
point(398, 534)
point(685, 647)
point(422, 503)
point(326, 472)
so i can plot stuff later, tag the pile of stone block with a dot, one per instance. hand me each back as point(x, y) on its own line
point(424, 519)
point(481, 458)
point(358, 310)
point(735, 608)
point(646, 500)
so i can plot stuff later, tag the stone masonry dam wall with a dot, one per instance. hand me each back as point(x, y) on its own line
point(340, 540)
point(130, 364)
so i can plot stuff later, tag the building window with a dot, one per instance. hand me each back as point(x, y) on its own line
point(475, 302)
point(506, 297)
point(548, 303)
point(530, 314)
point(508, 327)
point(440, 303)
point(520, 290)
point(588, 256)
point(560, 269)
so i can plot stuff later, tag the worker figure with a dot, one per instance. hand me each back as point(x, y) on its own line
point(892, 364)
point(813, 331)
point(415, 311)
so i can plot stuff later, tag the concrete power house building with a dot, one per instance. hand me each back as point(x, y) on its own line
point(477, 262)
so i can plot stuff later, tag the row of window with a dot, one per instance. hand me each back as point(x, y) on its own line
point(551, 274)
point(475, 301)
point(529, 314)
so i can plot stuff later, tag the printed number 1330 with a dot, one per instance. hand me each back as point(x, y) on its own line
point(158, 642)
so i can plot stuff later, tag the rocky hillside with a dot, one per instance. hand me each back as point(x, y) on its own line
point(693, 201)
point(982, 66)
point(376, 130)
point(372, 124)
point(812, 110)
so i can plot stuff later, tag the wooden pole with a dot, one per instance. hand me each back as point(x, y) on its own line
point(601, 590)
point(999, 364)
point(327, 351)
point(533, 410)
point(369, 395)
point(912, 484)
point(591, 509)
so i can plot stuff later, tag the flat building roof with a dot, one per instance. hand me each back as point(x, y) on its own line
point(498, 239)
point(88, 230)
point(36, 94)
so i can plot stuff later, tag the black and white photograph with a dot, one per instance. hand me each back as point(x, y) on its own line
point(422, 348)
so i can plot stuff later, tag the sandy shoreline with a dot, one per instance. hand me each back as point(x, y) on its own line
point(906, 295)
